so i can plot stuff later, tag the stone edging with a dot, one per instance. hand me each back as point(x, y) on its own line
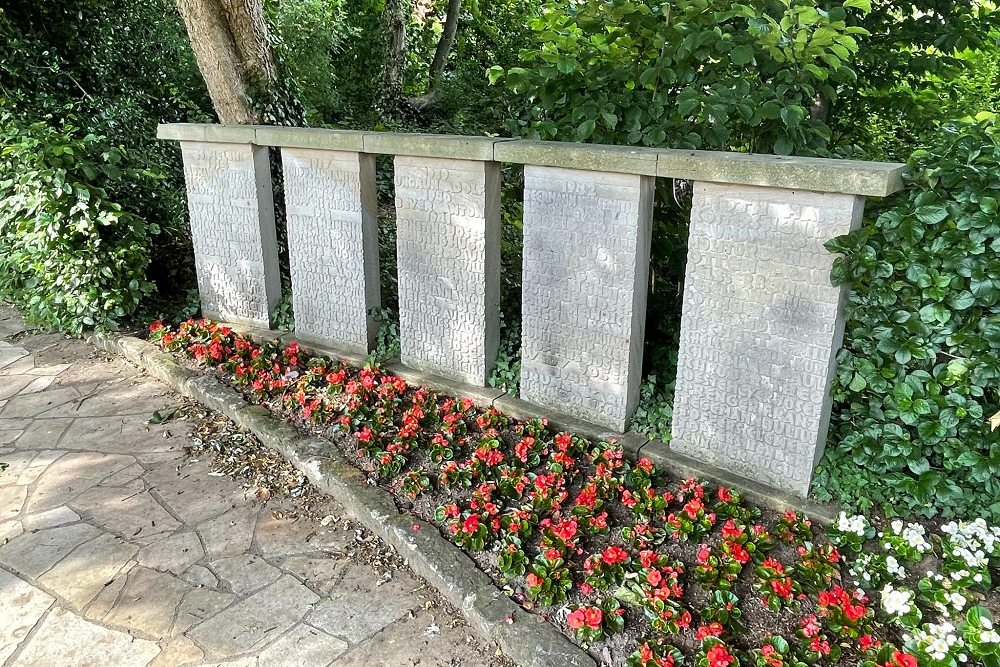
point(525, 638)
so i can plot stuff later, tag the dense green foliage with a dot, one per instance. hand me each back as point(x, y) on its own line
point(93, 206)
point(69, 256)
point(920, 370)
point(688, 74)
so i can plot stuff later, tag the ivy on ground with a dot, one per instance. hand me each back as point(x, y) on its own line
point(919, 374)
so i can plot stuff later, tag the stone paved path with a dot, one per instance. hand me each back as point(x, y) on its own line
point(115, 550)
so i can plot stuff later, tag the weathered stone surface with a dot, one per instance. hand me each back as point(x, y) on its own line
point(43, 433)
point(51, 518)
point(416, 642)
point(789, 172)
point(173, 554)
point(586, 257)
point(572, 155)
point(232, 229)
point(276, 537)
point(11, 501)
point(245, 573)
point(83, 573)
point(200, 575)
point(302, 645)
point(448, 253)
point(199, 605)
point(178, 653)
point(66, 639)
point(239, 134)
point(530, 642)
point(32, 554)
point(249, 624)
point(447, 146)
point(21, 605)
point(228, 534)
point(70, 476)
point(147, 602)
point(191, 494)
point(127, 511)
point(330, 200)
point(324, 573)
point(30, 405)
point(11, 353)
point(360, 607)
point(761, 325)
point(310, 137)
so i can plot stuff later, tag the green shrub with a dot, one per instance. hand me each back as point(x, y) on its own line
point(70, 257)
point(919, 374)
point(692, 74)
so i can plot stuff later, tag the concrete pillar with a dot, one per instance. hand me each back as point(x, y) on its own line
point(331, 208)
point(232, 230)
point(586, 261)
point(448, 257)
point(760, 330)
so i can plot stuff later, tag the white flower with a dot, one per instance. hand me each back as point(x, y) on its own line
point(986, 623)
point(938, 649)
point(957, 600)
point(897, 526)
point(989, 637)
point(856, 525)
point(896, 602)
point(894, 568)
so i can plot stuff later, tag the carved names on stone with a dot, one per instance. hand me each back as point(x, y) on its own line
point(332, 245)
point(232, 230)
point(760, 329)
point(448, 256)
point(585, 266)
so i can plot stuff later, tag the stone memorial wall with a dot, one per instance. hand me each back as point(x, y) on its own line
point(330, 203)
point(232, 230)
point(760, 326)
point(447, 250)
point(761, 323)
point(586, 253)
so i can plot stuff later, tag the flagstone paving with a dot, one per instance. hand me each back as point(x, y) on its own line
point(116, 549)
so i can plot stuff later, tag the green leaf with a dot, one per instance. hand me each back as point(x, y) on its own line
point(864, 5)
point(585, 129)
point(961, 300)
point(742, 55)
point(931, 214)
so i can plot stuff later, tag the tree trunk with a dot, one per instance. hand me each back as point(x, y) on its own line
point(231, 46)
point(447, 40)
point(395, 19)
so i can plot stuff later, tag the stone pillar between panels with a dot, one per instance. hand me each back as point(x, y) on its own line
point(448, 256)
point(760, 329)
point(331, 205)
point(232, 230)
point(585, 267)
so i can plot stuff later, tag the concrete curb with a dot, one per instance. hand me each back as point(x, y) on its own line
point(525, 638)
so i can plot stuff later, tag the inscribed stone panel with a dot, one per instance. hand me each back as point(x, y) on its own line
point(760, 328)
point(332, 246)
point(448, 256)
point(586, 259)
point(232, 230)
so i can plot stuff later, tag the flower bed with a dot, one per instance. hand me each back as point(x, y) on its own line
point(640, 569)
